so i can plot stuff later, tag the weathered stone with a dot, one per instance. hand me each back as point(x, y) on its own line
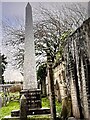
point(77, 60)
point(89, 9)
point(15, 113)
point(66, 108)
point(23, 108)
point(33, 98)
point(72, 118)
point(30, 81)
point(0, 101)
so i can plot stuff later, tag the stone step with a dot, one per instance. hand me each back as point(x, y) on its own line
point(30, 117)
point(35, 111)
point(38, 111)
point(10, 118)
point(15, 113)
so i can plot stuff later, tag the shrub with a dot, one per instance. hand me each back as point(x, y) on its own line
point(15, 88)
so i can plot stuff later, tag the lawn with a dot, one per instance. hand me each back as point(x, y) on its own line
point(13, 105)
point(45, 103)
point(4, 111)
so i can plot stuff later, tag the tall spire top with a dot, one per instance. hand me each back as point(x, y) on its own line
point(28, 16)
point(28, 5)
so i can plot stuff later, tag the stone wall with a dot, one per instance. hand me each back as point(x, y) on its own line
point(58, 81)
point(77, 63)
point(75, 71)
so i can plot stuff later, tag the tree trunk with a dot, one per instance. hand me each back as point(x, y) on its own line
point(51, 87)
point(52, 94)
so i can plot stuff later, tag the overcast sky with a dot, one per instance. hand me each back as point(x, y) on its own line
point(11, 9)
point(45, 0)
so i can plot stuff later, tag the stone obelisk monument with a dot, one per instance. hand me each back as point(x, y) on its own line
point(30, 80)
point(88, 9)
point(30, 102)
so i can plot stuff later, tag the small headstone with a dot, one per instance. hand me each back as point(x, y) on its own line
point(23, 109)
point(0, 101)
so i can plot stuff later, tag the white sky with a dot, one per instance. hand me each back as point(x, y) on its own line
point(10, 9)
point(45, 0)
point(13, 75)
point(17, 8)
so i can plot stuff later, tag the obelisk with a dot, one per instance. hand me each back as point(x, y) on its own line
point(88, 9)
point(30, 81)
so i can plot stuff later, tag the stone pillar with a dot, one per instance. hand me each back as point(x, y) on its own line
point(23, 109)
point(30, 81)
point(0, 101)
point(75, 107)
point(88, 9)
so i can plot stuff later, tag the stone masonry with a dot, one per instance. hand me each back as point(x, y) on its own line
point(77, 62)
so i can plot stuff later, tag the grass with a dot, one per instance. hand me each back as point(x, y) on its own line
point(4, 111)
point(12, 96)
point(58, 107)
point(14, 105)
point(46, 103)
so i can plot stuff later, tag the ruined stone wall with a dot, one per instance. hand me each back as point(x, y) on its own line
point(77, 62)
point(58, 80)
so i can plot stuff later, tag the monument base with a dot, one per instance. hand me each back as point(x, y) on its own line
point(35, 111)
point(33, 98)
point(33, 103)
point(42, 117)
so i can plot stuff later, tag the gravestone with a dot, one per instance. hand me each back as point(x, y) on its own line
point(0, 101)
point(23, 111)
point(30, 81)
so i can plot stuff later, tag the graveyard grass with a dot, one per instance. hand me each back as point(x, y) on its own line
point(4, 111)
point(14, 105)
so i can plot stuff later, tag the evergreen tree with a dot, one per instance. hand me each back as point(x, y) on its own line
point(3, 64)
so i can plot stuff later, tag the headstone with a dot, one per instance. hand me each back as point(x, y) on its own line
point(23, 109)
point(30, 81)
point(0, 101)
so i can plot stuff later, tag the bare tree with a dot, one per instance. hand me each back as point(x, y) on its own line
point(50, 33)
point(53, 28)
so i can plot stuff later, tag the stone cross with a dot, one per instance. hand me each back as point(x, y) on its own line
point(30, 81)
